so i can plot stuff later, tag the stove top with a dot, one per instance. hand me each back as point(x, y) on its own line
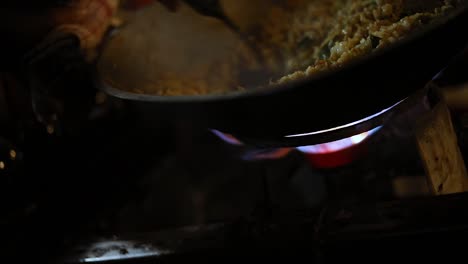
point(131, 175)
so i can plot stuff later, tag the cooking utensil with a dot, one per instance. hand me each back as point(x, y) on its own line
point(321, 108)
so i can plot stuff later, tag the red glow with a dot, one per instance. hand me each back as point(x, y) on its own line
point(338, 153)
point(338, 145)
point(337, 158)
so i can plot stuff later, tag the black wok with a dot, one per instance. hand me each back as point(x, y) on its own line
point(366, 87)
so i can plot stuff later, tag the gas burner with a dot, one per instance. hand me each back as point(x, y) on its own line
point(331, 148)
point(324, 136)
point(325, 155)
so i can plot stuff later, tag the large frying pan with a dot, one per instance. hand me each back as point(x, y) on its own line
point(352, 99)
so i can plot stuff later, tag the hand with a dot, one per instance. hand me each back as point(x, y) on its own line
point(87, 19)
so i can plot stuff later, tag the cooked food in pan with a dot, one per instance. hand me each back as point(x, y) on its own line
point(297, 39)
